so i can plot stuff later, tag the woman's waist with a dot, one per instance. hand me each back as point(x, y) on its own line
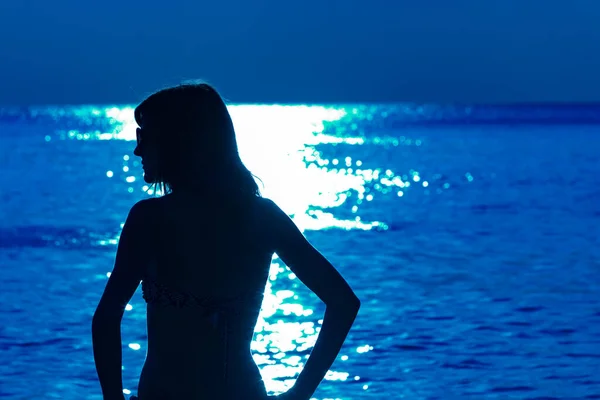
point(207, 366)
point(191, 323)
point(210, 382)
point(198, 349)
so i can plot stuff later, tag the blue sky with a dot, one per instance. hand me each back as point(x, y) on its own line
point(71, 52)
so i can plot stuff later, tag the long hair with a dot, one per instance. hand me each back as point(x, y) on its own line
point(195, 139)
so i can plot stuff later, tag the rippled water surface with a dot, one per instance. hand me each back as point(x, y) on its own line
point(470, 234)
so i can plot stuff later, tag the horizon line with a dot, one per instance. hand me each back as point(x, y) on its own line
point(341, 103)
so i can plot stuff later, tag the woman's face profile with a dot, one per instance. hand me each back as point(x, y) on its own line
point(146, 150)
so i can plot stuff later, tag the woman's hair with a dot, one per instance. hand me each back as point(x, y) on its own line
point(195, 142)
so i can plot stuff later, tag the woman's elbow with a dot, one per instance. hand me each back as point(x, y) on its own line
point(101, 320)
point(97, 323)
point(355, 303)
point(349, 304)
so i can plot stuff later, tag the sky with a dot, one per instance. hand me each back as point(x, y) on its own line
point(309, 51)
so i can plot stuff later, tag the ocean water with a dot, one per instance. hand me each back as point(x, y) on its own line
point(471, 235)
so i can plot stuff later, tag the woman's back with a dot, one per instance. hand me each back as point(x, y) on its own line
point(204, 293)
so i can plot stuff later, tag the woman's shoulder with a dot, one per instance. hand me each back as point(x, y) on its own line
point(272, 209)
point(267, 208)
point(267, 204)
point(264, 206)
point(147, 205)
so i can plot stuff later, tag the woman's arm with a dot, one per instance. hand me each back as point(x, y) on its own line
point(342, 305)
point(106, 339)
point(125, 278)
point(336, 324)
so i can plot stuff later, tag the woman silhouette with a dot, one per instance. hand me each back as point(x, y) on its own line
point(202, 252)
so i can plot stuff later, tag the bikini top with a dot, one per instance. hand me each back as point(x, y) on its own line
point(160, 294)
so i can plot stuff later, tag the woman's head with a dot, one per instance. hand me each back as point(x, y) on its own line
point(186, 140)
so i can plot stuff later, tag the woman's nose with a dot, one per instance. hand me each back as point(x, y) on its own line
point(136, 151)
